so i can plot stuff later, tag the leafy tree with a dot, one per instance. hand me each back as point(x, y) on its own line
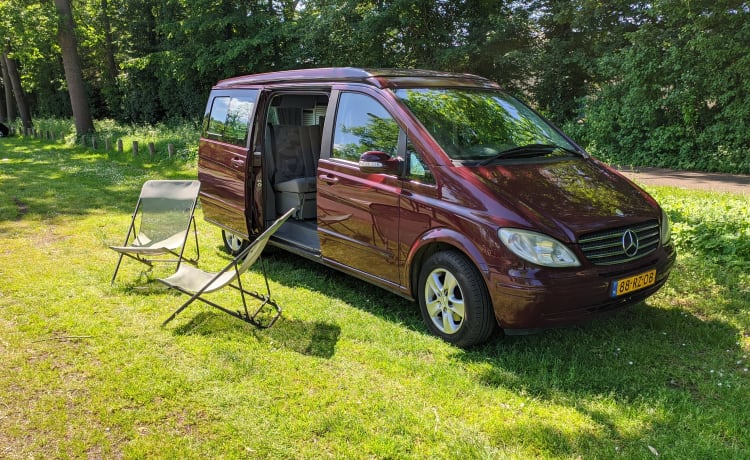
point(494, 39)
point(576, 35)
point(73, 71)
point(676, 96)
point(489, 38)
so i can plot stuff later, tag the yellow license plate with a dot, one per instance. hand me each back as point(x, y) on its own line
point(633, 283)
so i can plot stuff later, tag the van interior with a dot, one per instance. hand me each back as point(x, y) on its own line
point(293, 133)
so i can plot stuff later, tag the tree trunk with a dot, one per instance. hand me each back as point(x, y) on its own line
point(15, 82)
point(72, 65)
point(10, 111)
point(3, 106)
point(111, 90)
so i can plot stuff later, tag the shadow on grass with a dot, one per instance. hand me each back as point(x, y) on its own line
point(291, 270)
point(307, 338)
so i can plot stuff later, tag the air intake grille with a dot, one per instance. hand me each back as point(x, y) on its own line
point(621, 245)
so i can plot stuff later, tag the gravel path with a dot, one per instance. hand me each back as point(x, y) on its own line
point(690, 179)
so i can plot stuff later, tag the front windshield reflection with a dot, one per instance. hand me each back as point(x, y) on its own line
point(478, 124)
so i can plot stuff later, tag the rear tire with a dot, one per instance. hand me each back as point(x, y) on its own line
point(233, 243)
point(454, 301)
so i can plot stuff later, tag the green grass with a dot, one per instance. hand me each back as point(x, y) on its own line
point(349, 371)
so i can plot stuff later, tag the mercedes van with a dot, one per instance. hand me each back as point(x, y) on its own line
point(438, 187)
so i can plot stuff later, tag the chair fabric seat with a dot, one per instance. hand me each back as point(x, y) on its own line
point(143, 245)
point(194, 279)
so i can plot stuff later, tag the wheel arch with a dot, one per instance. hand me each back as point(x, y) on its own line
point(441, 240)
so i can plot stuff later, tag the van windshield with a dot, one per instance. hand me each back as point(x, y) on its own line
point(481, 126)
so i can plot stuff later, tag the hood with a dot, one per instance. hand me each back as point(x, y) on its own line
point(571, 196)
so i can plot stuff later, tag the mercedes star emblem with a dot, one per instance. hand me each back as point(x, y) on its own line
point(630, 243)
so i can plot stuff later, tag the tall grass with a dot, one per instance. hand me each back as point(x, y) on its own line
point(182, 136)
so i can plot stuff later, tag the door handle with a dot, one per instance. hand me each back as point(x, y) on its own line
point(328, 179)
point(237, 163)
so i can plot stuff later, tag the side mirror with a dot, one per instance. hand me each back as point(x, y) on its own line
point(375, 162)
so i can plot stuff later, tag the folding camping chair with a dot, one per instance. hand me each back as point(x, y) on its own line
point(161, 223)
point(195, 282)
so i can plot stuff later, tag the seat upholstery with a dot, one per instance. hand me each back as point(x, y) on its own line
point(295, 153)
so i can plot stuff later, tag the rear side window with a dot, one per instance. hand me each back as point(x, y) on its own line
point(217, 118)
point(228, 117)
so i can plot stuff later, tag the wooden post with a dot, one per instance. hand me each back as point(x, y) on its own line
point(170, 150)
point(135, 148)
point(119, 145)
point(93, 141)
point(108, 144)
point(151, 150)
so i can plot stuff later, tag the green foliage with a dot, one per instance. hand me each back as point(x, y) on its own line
point(648, 83)
point(714, 226)
point(676, 96)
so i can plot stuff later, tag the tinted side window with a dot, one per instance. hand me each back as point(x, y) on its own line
point(362, 125)
point(238, 120)
point(217, 118)
point(229, 118)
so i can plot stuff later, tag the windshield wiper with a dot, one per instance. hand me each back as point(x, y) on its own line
point(526, 151)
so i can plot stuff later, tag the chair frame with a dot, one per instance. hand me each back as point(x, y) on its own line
point(142, 254)
point(238, 265)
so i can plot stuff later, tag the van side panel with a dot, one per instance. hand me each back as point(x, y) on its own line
point(221, 172)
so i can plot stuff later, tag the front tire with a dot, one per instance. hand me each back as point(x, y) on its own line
point(454, 301)
point(233, 243)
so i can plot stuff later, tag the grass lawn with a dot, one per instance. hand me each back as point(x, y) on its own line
point(349, 371)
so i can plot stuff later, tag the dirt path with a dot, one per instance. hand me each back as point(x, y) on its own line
point(690, 179)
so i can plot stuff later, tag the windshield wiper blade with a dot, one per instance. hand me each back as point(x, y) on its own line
point(526, 151)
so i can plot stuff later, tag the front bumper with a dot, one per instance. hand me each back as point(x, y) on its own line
point(537, 298)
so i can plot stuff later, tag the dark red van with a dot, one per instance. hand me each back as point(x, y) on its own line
point(438, 187)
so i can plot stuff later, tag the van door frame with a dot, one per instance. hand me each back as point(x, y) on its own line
point(387, 252)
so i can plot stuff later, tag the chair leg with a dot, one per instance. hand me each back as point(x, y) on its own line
point(197, 246)
point(246, 316)
point(183, 306)
point(117, 267)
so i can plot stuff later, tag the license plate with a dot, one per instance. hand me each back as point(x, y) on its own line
point(633, 283)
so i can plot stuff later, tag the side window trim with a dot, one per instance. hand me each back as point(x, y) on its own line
point(326, 145)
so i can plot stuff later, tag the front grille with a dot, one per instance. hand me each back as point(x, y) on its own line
point(608, 247)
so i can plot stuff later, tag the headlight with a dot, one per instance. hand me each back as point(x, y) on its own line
point(666, 229)
point(537, 248)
